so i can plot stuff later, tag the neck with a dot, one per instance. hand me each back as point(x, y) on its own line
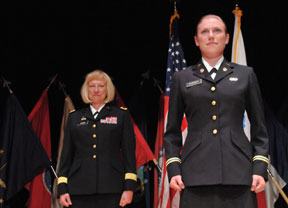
point(212, 61)
point(97, 106)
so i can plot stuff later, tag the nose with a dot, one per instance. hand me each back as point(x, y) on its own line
point(96, 88)
point(211, 34)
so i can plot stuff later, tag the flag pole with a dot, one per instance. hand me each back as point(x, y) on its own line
point(157, 84)
point(278, 186)
point(6, 84)
point(52, 80)
point(51, 167)
point(62, 88)
point(54, 172)
point(157, 165)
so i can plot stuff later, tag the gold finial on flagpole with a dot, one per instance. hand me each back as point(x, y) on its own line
point(175, 7)
point(174, 16)
point(237, 11)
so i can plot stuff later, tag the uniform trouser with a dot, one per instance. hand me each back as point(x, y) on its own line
point(96, 200)
point(218, 197)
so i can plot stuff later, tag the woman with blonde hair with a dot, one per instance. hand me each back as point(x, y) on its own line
point(98, 165)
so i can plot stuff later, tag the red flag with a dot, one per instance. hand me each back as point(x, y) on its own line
point(143, 151)
point(164, 197)
point(261, 200)
point(39, 187)
point(158, 151)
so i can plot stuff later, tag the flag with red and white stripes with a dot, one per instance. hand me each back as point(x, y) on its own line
point(164, 197)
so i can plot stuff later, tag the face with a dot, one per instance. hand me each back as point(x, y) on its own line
point(211, 37)
point(97, 91)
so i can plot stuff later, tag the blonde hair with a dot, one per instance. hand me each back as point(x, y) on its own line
point(97, 74)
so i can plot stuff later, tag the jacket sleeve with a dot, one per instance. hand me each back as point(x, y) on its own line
point(259, 135)
point(173, 133)
point(65, 160)
point(128, 145)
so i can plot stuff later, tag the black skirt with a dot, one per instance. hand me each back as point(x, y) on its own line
point(96, 200)
point(218, 197)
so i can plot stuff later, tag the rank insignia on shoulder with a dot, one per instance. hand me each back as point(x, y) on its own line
point(72, 111)
point(123, 108)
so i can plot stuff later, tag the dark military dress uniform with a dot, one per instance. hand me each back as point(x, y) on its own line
point(217, 159)
point(98, 158)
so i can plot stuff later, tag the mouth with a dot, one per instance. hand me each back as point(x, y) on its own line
point(212, 43)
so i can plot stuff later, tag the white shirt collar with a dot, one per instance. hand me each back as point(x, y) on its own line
point(217, 65)
point(94, 110)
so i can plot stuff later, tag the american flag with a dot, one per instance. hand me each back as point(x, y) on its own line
point(163, 196)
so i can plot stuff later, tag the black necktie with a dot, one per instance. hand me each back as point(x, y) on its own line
point(95, 114)
point(213, 70)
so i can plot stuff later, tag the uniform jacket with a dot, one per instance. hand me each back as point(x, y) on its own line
point(98, 155)
point(216, 150)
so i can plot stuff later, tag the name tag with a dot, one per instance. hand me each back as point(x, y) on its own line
point(193, 83)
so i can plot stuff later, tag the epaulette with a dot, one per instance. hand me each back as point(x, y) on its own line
point(123, 108)
point(72, 111)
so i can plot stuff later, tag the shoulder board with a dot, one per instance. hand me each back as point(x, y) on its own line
point(72, 111)
point(123, 108)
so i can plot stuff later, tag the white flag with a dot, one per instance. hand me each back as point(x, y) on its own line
point(239, 57)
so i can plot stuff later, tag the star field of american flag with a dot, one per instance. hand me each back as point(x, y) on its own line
point(176, 61)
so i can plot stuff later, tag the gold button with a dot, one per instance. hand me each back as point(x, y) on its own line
point(94, 135)
point(202, 70)
point(214, 117)
point(213, 102)
point(213, 89)
point(94, 125)
point(225, 69)
point(215, 131)
point(94, 156)
point(94, 146)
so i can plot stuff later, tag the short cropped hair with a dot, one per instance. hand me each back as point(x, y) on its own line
point(97, 75)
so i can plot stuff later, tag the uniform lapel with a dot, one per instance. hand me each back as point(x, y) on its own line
point(104, 112)
point(225, 69)
point(87, 113)
point(200, 70)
